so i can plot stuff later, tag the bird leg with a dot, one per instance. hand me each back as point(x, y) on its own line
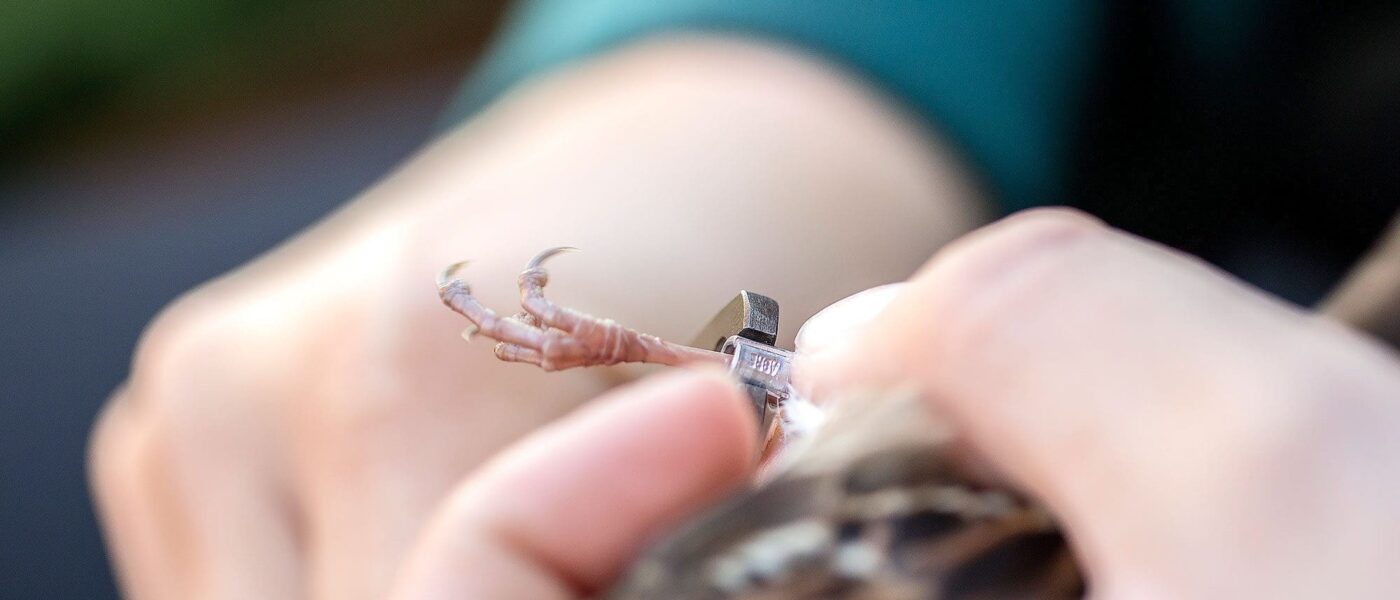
point(554, 337)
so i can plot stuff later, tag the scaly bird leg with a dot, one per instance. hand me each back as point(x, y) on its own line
point(555, 337)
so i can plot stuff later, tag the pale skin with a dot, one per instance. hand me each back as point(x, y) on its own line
point(313, 418)
point(301, 417)
point(1197, 438)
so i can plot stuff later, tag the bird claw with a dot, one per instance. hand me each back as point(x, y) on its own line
point(540, 258)
point(555, 337)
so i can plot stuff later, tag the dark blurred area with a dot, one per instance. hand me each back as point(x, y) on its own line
point(70, 69)
point(1273, 152)
point(146, 146)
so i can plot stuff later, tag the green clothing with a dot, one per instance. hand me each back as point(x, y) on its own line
point(1207, 124)
point(1001, 79)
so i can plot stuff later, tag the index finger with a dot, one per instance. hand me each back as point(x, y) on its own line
point(560, 514)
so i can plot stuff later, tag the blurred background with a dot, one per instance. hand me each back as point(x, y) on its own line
point(146, 146)
point(149, 145)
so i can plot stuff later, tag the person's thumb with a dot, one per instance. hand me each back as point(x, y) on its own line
point(1109, 376)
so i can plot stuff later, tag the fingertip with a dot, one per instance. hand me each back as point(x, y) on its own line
point(920, 322)
point(703, 403)
point(706, 388)
point(575, 502)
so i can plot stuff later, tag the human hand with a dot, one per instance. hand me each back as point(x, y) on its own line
point(289, 428)
point(1195, 438)
point(560, 515)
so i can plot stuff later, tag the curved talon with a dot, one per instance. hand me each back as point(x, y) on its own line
point(445, 278)
point(546, 255)
point(554, 337)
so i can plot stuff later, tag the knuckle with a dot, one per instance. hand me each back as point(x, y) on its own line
point(119, 450)
point(1279, 412)
point(120, 442)
point(134, 431)
point(178, 369)
point(1272, 410)
point(1017, 239)
point(1270, 437)
point(986, 279)
point(1313, 396)
point(106, 440)
point(1001, 250)
point(1050, 217)
point(176, 335)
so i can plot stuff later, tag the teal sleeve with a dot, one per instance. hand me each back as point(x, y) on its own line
point(1001, 79)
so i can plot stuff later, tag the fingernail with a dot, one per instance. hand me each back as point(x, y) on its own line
point(825, 342)
point(839, 322)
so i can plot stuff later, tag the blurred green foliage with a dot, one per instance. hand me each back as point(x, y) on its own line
point(63, 63)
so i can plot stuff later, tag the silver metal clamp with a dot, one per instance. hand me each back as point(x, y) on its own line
point(747, 328)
